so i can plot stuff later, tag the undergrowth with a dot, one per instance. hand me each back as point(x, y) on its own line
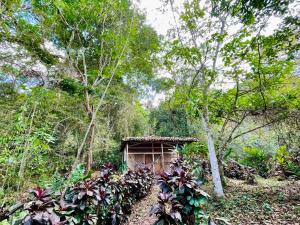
point(103, 200)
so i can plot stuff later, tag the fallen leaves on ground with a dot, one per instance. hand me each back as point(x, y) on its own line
point(268, 203)
point(140, 214)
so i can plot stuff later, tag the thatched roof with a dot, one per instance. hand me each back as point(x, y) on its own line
point(152, 139)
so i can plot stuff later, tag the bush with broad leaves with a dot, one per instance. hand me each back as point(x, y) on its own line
point(102, 200)
point(181, 201)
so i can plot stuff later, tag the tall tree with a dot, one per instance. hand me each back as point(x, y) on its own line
point(260, 67)
point(206, 35)
point(195, 50)
point(101, 41)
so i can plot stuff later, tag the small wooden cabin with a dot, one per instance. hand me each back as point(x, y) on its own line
point(155, 152)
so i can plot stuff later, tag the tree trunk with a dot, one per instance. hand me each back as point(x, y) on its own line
point(97, 108)
point(90, 139)
point(218, 188)
point(90, 148)
point(221, 166)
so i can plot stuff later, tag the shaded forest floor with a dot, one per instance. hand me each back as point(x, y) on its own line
point(270, 202)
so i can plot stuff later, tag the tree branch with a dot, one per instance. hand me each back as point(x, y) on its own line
point(256, 128)
point(100, 102)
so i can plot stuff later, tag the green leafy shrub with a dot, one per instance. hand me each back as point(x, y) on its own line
point(282, 156)
point(288, 162)
point(195, 154)
point(293, 169)
point(78, 174)
point(71, 86)
point(112, 156)
point(181, 201)
point(257, 159)
point(198, 149)
point(199, 169)
point(123, 167)
point(57, 182)
point(102, 200)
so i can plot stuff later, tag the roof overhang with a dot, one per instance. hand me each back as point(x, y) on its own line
point(157, 139)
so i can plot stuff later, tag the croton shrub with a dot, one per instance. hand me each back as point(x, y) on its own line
point(180, 201)
point(102, 200)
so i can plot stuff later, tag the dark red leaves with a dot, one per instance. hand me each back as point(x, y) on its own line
point(105, 199)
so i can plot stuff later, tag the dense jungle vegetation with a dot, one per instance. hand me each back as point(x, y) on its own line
point(78, 76)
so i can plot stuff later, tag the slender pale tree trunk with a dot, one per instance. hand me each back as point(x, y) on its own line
point(91, 134)
point(90, 147)
point(218, 188)
point(220, 157)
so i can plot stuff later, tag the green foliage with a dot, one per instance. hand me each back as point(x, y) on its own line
point(195, 149)
point(293, 168)
point(56, 182)
point(43, 118)
point(196, 156)
point(170, 122)
point(56, 132)
point(71, 86)
point(237, 78)
point(287, 162)
point(35, 135)
point(6, 89)
point(200, 169)
point(282, 156)
point(251, 11)
point(59, 182)
point(163, 84)
point(79, 58)
point(123, 167)
point(78, 174)
point(113, 155)
point(257, 159)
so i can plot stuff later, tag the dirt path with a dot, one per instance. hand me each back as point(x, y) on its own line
point(140, 214)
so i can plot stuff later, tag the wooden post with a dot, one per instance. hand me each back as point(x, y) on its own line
point(162, 156)
point(153, 166)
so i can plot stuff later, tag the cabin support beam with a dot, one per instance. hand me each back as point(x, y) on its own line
point(153, 162)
